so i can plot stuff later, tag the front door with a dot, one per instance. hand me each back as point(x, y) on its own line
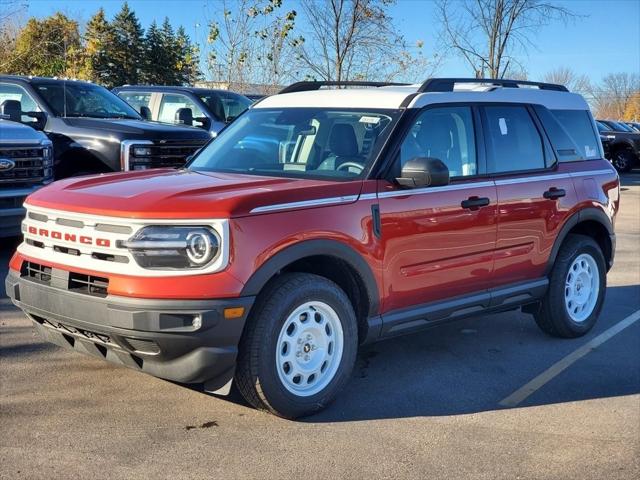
point(438, 241)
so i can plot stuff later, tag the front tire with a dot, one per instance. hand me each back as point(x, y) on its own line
point(299, 348)
point(623, 160)
point(576, 291)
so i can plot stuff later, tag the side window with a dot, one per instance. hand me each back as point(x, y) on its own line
point(172, 102)
point(136, 99)
point(27, 103)
point(513, 140)
point(579, 126)
point(444, 133)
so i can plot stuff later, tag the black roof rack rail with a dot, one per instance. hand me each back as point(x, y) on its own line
point(309, 85)
point(447, 84)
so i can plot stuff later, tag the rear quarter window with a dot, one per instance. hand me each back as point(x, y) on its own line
point(579, 126)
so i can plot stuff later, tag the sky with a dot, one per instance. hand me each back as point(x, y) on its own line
point(604, 39)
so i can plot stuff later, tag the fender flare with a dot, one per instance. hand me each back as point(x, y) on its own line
point(591, 213)
point(311, 248)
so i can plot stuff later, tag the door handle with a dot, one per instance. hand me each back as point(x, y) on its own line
point(554, 193)
point(474, 203)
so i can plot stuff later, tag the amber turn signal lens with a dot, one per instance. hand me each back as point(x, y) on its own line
point(235, 312)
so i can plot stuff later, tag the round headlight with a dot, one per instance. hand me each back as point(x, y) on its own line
point(200, 247)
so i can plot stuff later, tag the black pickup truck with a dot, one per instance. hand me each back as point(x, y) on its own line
point(92, 129)
point(26, 164)
point(621, 145)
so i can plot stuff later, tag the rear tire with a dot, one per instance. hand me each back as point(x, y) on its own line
point(576, 291)
point(299, 348)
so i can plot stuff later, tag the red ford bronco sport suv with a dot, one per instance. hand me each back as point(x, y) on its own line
point(323, 219)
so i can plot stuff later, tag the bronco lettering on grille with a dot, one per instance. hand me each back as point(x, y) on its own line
point(69, 237)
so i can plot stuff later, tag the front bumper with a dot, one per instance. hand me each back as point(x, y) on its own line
point(153, 336)
point(11, 210)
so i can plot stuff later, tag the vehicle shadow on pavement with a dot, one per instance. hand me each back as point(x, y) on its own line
point(469, 366)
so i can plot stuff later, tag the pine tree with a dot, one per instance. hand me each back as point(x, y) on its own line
point(170, 53)
point(128, 51)
point(98, 37)
point(154, 56)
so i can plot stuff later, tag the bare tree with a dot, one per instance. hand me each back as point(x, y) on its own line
point(249, 43)
point(489, 34)
point(612, 96)
point(570, 79)
point(355, 39)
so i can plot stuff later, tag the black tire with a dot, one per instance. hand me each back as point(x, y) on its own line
point(623, 160)
point(257, 376)
point(553, 317)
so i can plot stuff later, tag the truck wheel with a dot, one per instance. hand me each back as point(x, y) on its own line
point(299, 347)
point(576, 291)
point(623, 160)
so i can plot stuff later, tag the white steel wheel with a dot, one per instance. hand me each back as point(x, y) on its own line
point(582, 287)
point(309, 348)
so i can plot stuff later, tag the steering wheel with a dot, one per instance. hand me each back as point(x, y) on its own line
point(346, 165)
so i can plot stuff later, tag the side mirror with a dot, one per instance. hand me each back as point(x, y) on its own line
point(145, 112)
point(424, 172)
point(184, 116)
point(12, 109)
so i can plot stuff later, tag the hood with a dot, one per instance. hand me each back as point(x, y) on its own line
point(168, 193)
point(135, 129)
point(13, 132)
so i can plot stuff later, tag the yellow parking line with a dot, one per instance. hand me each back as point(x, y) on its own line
point(525, 391)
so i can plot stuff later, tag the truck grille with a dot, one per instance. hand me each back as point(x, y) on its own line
point(171, 154)
point(32, 164)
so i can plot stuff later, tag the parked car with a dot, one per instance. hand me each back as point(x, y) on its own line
point(634, 125)
point(199, 107)
point(26, 164)
point(93, 130)
point(321, 220)
point(623, 147)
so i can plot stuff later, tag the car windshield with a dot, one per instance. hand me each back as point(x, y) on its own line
point(225, 105)
point(73, 99)
point(298, 142)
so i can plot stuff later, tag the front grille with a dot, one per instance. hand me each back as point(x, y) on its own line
point(88, 284)
point(76, 282)
point(171, 154)
point(36, 272)
point(32, 165)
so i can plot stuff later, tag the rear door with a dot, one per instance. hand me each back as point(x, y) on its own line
point(535, 194)
point(438, 241)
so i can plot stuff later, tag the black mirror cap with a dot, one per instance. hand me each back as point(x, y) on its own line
point(145, 112)
point(424, 172)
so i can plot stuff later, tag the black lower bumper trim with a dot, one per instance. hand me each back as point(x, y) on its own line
point(187, 341)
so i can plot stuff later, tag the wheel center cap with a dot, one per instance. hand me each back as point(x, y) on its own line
point(306, 348)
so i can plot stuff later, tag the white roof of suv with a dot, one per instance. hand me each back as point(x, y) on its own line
point(310, 94)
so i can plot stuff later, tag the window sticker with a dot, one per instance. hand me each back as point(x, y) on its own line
point(503, 126)
point(370, 120)
point(589, 151)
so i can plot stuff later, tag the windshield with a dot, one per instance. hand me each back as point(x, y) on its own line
point(83, 100)
point(225, 105)
point(298, 142)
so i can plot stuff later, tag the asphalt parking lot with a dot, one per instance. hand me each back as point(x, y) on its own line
point(446, 403)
